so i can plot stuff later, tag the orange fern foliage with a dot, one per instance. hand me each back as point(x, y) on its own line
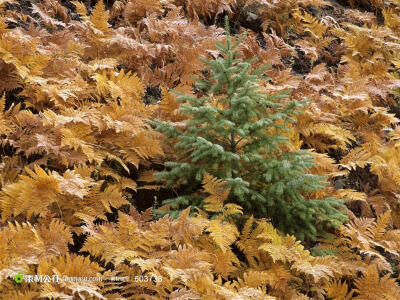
point(77, 152)
point(207, 8)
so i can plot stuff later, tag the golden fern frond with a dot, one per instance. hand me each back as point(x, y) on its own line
point(219, 193)
point(254, 278)
point(24, 245)
point(273, 244)
point(248, 242)
point(16, 241)
point(341, 137)
point(99, 19)
point(247, 228)
point(80, 8)
point(112, 196)
point(231, 209)
point(378, 229)
point(338, 290)
point(359, 156)
point(311, 24)
point(125, 86)
point(73, 183)
point(351, 194)
point(316, 3)
point(106, 241)
point(222, 233)
point(2, 103)
point(183, 293)
point(72, 265)
point(186, 228)
point(54, 237)
point(277, 277)
point(371, 286)
point(9, 50)
point(9, 171)
point(217, 188)
point(4, 126)
point(30, 194)
point(28, 295)
point(169, 106)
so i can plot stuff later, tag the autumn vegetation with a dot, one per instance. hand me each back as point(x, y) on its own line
point(214, 149)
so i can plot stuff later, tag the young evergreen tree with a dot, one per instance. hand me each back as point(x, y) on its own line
point(234, 133)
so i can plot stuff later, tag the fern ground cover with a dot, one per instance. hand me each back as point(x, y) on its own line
point(107, 189)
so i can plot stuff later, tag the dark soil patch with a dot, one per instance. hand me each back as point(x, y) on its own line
point(359, 178)
point(301, 65)
point(12, 98)
point(219, 21)
point(89, 4)
point(152, 95)
point(394, 108)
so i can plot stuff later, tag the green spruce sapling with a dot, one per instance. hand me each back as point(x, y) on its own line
point(229, 135)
